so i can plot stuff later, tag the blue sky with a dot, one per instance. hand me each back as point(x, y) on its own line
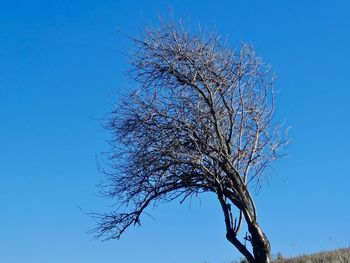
point(61, 68)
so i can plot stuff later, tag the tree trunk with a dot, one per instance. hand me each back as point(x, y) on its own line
point(260, 243)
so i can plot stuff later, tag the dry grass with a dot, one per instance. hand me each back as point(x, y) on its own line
point(336, 256)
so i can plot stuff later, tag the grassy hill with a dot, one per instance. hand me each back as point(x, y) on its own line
point(336, 256)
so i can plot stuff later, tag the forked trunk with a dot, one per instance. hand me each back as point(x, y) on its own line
point(260, 243)
point(257, 238)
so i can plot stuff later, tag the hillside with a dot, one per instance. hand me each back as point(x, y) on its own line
point(341, 255)
point(336, 256)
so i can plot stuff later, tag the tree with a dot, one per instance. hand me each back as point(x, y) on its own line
point(200, 121)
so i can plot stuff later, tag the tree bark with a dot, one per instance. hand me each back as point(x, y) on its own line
point(241, 248)
point(260, 243)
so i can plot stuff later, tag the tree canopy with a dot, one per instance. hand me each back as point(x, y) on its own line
point(199, 120)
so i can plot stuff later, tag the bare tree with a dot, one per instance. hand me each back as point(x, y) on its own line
point(200, 121)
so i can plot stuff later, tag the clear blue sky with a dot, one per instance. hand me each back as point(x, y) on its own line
point(60, 70)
